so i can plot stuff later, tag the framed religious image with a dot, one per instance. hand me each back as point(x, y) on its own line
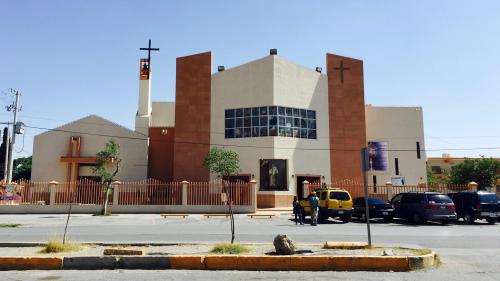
point(273, 175)
point(378, 156)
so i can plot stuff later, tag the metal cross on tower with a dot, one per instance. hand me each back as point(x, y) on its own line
point(341, 68)
point(149, 49)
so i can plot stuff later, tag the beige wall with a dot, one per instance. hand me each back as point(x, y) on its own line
point(273, 80)
point(401, 128)
point(50, 146)
point(163, 114)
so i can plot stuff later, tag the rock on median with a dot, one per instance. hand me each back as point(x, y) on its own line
point(284, 245)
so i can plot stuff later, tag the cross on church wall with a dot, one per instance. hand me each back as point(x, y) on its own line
point(341, 68)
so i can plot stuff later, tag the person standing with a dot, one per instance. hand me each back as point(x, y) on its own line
point(297, 211)
point(314, 202)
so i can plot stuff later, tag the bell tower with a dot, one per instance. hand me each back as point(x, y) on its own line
point(143, 116)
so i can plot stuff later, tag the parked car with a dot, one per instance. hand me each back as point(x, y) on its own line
point(476, 205)
point(420, 207)
point(377, 208)
point(333, 203)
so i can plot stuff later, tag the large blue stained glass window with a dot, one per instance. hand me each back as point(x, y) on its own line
point(263, 121)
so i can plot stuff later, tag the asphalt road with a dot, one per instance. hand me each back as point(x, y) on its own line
point(467, 251)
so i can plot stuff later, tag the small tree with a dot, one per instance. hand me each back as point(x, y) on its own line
point(22, 168)
point(483, 171)
point(223, 163)
point(104, 158)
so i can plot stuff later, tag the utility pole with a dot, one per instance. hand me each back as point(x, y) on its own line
point(11, 146)
point(6, 160)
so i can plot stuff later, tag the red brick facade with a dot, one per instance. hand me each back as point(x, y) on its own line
point(192, 116)
point(346, 106)
point(161, 154)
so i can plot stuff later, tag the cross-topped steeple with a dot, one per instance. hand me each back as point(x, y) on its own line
point(149, 49)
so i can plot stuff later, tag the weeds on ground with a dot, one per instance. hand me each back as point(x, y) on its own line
point(232, 249)
point(10, 224)
point(55, 245)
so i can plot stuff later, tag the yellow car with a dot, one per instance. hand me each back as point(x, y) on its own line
point(333, 203)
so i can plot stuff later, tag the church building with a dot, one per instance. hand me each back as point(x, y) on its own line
point(288, 123)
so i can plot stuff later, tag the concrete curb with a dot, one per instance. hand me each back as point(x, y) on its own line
point(423, 261)
point(225, 262)
point(29, 263)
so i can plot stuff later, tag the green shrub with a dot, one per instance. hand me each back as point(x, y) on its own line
point(232, 249)
point(55, 245)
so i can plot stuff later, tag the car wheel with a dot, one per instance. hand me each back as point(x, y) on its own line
point(469, 218)
point(416, 219)
point(491, 220)
point(445, 222)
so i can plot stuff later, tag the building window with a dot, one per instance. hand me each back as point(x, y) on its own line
point(418, 150)
point(436, 169)
point(271, 121)
point(396, 166)
point(273, 175)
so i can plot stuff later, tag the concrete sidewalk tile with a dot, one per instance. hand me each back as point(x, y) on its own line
point(87, 263)
point(143, 262)
point(187, 262)
point(221, 262)
point(310, 263)
point(30, 263)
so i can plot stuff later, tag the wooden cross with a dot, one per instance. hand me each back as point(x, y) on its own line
point(341, 68)
point(149, 49)
point(74, 159)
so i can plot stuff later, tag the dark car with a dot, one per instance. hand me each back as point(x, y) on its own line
point(377, 207)
point(420, 207)
point(476, 205)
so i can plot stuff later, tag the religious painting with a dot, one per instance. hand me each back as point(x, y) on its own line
point(378, 156)
point(273, 175)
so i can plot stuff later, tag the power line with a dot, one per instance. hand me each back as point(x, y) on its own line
point(263, 147)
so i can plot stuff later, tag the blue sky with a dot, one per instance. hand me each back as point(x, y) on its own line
point(74, 58)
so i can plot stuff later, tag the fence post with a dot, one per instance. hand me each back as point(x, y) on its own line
point(472, 185)
point(184, 193)
point(52, 192)
point(305, 189)
point(116, 192)
point(388, 190)
point(253, 192)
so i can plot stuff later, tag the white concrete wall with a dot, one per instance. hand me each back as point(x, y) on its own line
point(163, 114)
point(300, 87)
point(48, 148)
point(273, 80)
point(143, 116)
point(401, 128)
point(248, 85)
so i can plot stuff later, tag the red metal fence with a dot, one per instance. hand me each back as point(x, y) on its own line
point(214, 193)
point(150, 192)
point(386, 191)
point(147, 192)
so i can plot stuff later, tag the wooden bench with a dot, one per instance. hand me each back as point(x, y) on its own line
point(174, 215)
point(217, 215)
point(261, 215)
